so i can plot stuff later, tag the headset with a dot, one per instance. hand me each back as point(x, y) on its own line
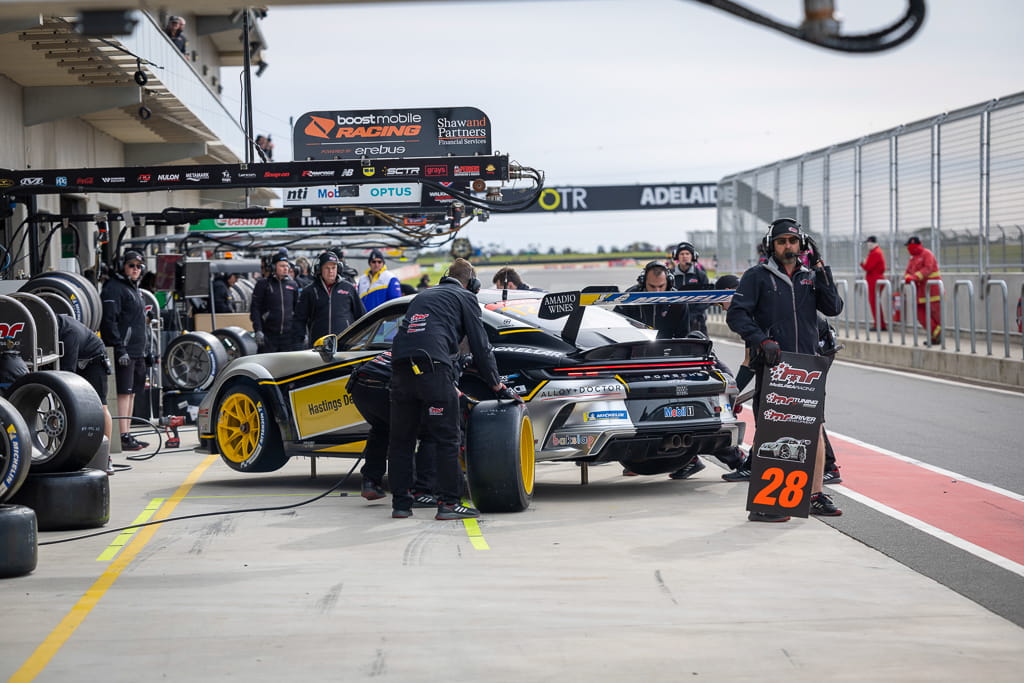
point(766, 241)
point(473, 285)
point(641, 279)
point(118, 264)
point(686, 246)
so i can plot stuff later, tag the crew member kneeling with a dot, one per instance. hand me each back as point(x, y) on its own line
point(424, 395)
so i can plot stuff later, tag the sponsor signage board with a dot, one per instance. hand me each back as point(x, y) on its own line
point(228, 224)
point(354, 195)
point(791, 412)
point(391, 133)
point(563, 199)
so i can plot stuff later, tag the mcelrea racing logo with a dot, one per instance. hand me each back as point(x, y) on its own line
point(786, 373)
point(775, 416)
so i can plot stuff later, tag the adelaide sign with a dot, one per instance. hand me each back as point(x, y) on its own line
point(622, 197)
point(390, 133)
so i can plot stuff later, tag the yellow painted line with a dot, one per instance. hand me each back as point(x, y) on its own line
point(523, 329)
point(476, 537)
point(122, 538)
point(535, 390)
point(73, 619)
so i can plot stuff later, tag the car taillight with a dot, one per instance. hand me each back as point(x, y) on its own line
point(608, 370)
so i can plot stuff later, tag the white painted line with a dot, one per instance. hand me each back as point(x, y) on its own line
point(945, 536)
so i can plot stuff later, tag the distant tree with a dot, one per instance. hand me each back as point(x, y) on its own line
point(567, 250)
point(600, 249)
point(551, 250)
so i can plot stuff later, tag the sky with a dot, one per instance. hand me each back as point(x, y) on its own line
point(619, 92)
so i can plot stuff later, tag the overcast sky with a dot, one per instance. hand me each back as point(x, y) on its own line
point(630, 91)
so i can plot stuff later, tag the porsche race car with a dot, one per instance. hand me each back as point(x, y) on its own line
point(597, 387)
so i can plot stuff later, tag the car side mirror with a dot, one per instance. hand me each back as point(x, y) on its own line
point(326, 346)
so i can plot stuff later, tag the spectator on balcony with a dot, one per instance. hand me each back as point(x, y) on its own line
point(266, 145)
point(175, 31)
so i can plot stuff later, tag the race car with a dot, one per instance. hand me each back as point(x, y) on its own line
point(597, 387)
point(786, 448)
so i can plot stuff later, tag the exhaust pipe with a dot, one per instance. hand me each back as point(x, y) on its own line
point(675, 442)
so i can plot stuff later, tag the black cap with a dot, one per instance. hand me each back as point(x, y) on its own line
point(327, 257)
point(912, 240)
point(784, 226)
point(727, 282)
point(278, 257)
point(375, 254)
point(133, 255)
point(872, 240)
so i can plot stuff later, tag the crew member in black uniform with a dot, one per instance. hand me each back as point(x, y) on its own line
point(124, 328)
point(369, 388)
point(85, 355)
point(670, 320)
point(424, 396)
point(329, 305)
point(273, 307)
point(689, 274)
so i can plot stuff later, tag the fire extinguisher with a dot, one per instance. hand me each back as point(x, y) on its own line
point(897, 305)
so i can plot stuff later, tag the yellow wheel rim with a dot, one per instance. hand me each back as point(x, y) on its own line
point(239, 427)
point(526, 454)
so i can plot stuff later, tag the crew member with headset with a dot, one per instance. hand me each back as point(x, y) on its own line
point(424, 395)
point(329, 305)
point(690, 275)
point(273, 307)
point(670, 320)
point(124, 328)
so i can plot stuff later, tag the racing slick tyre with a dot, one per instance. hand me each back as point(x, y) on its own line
point(192, 361)
point(19, 547)
point(64, 417)
point(248, 437)
point(81, 303)
point(657, 465)
point(237, 341)
point(59, 304)
point(15, 450)
point(67, 500)
point(500, 456)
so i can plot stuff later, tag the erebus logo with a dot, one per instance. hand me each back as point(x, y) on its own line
point(784, 372)
point(11, 329)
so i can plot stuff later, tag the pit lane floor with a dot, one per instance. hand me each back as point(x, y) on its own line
point(638, 578)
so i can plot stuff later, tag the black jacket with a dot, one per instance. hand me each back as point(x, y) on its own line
point(124, 317)
point(273, 305)
point(769, 304)
point(221, 296)
point(375, 373)
point(322, 311)
point(81, 345)
point(672, 321)
point(437, 320)
point(694, 278)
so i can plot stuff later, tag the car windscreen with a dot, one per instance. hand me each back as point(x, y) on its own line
point(599, 326)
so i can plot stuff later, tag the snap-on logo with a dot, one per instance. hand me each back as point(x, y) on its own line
point(11, 329)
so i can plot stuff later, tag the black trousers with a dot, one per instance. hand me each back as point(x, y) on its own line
point(426, 404)
point(373, 400)
point(278, 342)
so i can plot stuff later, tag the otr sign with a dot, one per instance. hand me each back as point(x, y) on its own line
point(566, 198)
point(625, 197)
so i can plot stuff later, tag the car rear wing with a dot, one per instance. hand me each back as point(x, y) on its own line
point(559, 304)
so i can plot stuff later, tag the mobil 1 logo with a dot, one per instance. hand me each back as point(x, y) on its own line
point(786, 441)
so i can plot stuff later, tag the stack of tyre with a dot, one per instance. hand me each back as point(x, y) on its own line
point(193, 360)
point(51, 428)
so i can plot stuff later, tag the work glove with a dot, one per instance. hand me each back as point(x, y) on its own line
point(507, 394)
point(772, 352)
point(260, 338)
point(124, 360)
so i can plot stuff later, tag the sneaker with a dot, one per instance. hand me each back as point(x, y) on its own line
point(689, 469)
point(110, 467)
point(455, 511)
point(401, 513)
point(767, 517)
point(130, 443)
point(742, 473)
point(832, 477)
point(424, 500)
point(822, 505)
point(372, 490)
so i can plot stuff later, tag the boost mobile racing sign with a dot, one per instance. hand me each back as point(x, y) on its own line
point(791, 412)
point(390, 133)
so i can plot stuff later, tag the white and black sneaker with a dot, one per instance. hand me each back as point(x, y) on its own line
point(455, 511)
point(689, 469)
